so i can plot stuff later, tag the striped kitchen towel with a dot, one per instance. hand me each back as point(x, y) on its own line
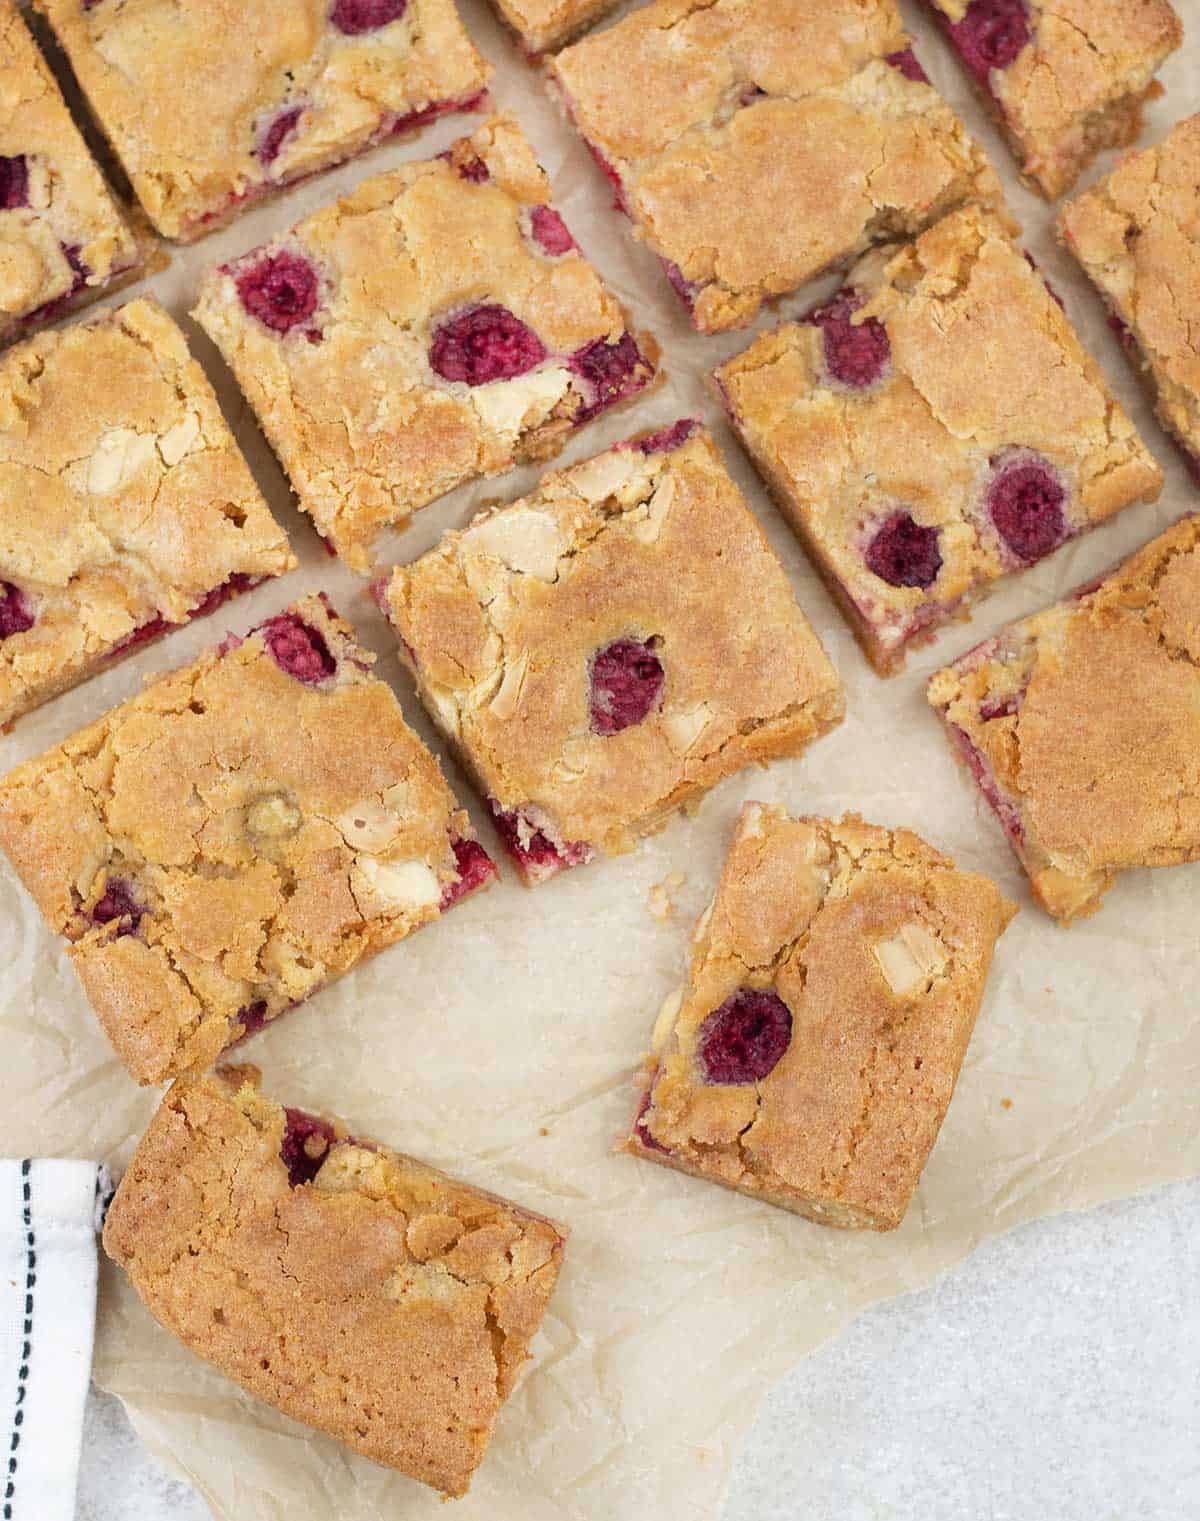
point(49, 1214)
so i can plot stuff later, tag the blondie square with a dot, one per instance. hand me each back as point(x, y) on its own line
point(437, 325)
point(1081, 726)
point(125, 505)
point(913, 476)
point(604, 650)
point(248, 828)
point(211, 105)
point(62, 239)
point(542, 25)
point(812, 1055)
point(351, 1287)
point(754, 143)
point(1137, 235)
point(1064, 78)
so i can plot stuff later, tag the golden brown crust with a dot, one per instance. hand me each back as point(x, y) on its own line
point(124, 500)
point(879, 948)
point(543, 25)
point(273, 834)
point(1079, 84)
point(757, 142)
point(501, 622)
point(187, 91)
point(367, 431)
point(66, 204)
point(927, 437)
point(382, 1302)
point(1137, 235)
point(1087, 781)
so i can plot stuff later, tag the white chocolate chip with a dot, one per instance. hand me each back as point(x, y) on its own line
point(684, 726)
point(178, 442)
point(118, 457)
point(396, 884)
point(664, 1024)
point(911, 959)
point(606, 474)
point(445, 709)
point(523, 538)
point(648, 528)
point(508, 698)
point(273, 817)
point(510, 406)
point(369, 825)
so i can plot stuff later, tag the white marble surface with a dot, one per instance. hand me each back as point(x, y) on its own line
point(1054, 1377)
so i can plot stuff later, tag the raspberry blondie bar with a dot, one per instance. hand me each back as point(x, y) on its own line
point(835, 981)
point(1081, 726)
point(125, 505)
point(603, 651)
point(542, 25)
point(913, 481)
point(437, 325)
point(351, 1287)
point(1137, 235)
point(756, 142)
point(63, 241)
point(211, 105)
point(1064, 78)
point(248, 828)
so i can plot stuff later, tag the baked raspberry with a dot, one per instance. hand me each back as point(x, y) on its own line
point(237, 583)
point(280, 290)
point(667, 439)
point(550, 231)
point(14, 183)
point(298, 648)
point(252, 1018)
point(483, 344)
point(280, 129)
point(613, 370)
point(904, 552)
point(856, 354)
point(118, 903)
point(1025, 501)
point(16, 616)
point(1005, 708)
point(51, 309)
point(687, 290)
point(742, 1041)
point(536, 853)
point(990, 35)
point(627, 677)
point(908, 64)
point(475, 867)
point(473, 169)
point(354, 17)
point(145, 633)
point(305, 1146)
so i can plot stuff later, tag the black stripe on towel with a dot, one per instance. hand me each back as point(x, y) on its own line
point(27, 1342)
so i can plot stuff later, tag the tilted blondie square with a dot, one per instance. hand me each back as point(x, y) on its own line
point(126, 507)
point(351, 1287)
point(63, 241)
point(211, 105)
point(754, 143)
point(835, 981)
point(1137, 235)
point(244, 830)
point(604, 650)
point(1081, 726)
point(914, 478)
point(1064, 78)
point(437, 325)
point(542, 25)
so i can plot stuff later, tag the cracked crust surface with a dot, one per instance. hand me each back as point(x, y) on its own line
point(274, 833)
point(1081, 726)
point(1079, 84)
point(69, 212)
point(188, 92)
point(366, 429)
point(1137, 235)
point(880, 948)
point(124, 501)
point(923, 438)
point(500, 624)
point(757, 142)
point(383, 1302)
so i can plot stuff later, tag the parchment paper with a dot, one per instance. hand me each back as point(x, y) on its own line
point(499, 1043)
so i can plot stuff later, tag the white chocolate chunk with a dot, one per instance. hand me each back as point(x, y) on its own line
point(178, 442)
point(368, 825)
point(117, 458)
point(510, 406)
point(910, 959)
point(684, 726)
point(396, 885)
point(508, 698)
point(523, 538)
point(273, 817)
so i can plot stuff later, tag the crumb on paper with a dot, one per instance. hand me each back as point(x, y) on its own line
point(660, 901)
point(1006, 1103)
point(543, 1130)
